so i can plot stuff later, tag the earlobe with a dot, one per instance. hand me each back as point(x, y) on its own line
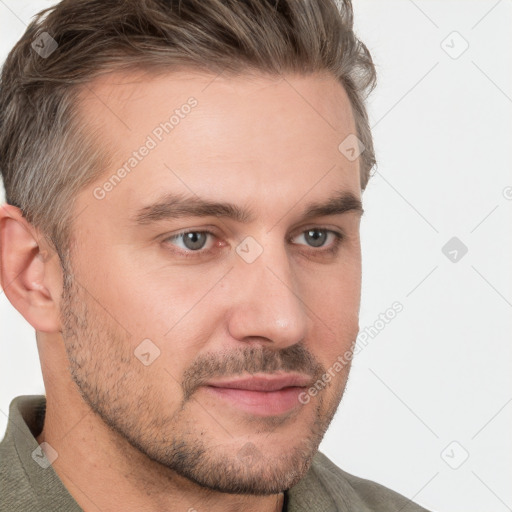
point(26, 272)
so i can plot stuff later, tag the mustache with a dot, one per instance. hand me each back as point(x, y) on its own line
point(261, 359)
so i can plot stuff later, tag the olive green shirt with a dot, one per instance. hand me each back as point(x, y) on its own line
point(28, 482)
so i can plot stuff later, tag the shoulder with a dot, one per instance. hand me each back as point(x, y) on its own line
point(359, 493)
point(16, 447)
point(17, 493)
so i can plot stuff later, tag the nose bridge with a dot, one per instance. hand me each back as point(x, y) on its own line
point(267, 303)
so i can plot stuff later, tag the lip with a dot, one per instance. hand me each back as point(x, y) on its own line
point(261, 396)
point(264, 383)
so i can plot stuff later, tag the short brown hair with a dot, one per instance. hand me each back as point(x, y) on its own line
point(47, 156)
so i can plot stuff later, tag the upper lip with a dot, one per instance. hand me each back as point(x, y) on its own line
point(264, 383)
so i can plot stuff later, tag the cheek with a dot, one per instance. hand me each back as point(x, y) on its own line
point(143, 297)
point(334, 293)
point(165, 306)
point(334, 301)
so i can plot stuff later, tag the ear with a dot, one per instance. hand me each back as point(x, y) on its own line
point(30, 271)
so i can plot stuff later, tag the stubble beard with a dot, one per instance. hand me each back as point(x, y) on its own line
point(115, 386)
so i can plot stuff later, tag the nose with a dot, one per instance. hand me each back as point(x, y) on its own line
point(267, 306)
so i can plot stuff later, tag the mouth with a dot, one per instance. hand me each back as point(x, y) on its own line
point(261, 395)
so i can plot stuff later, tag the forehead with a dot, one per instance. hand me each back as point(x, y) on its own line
point(253, 135)
point(128, 90)
point(125, 106)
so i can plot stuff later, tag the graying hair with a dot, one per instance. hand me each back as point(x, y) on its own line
point(47, 155)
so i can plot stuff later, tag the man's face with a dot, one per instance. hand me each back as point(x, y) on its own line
point(151, 317)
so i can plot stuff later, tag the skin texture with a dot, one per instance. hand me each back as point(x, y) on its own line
point(131, 436)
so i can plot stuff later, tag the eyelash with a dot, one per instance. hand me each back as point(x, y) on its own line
point(339, 237)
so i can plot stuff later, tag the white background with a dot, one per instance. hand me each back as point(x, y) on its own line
point(441, 370)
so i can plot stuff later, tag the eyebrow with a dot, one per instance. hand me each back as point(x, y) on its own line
point(173, 206)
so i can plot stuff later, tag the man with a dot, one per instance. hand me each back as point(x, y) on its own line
point(183, 185)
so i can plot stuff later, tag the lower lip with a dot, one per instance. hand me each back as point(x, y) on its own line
point(262, 403)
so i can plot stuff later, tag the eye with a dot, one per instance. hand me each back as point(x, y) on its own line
point(195, 243)
point(316, 237)
point(191, 240)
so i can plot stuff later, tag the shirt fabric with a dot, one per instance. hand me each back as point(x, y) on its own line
point(28, 483)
